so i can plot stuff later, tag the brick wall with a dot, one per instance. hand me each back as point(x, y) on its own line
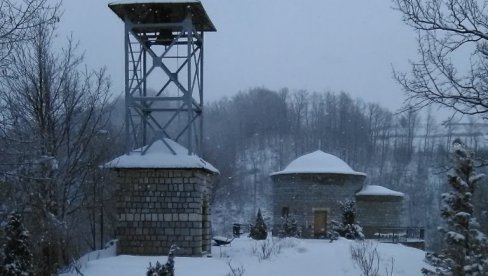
point(305, 193)
point(379, 212)
point(158, 207)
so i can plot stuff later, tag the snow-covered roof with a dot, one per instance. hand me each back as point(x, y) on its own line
point(159, 156)
point(375, 190)
point(318, 162)
point(150, 12)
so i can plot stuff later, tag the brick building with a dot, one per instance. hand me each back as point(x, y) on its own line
point(311, 186)
point(163, 197)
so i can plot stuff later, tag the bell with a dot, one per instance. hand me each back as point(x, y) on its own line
point(165, 37)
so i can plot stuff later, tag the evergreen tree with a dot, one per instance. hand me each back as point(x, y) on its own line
point(17, 255)
point(167, 269)
point(259, 230)
point(465, 249)
point(348, 227)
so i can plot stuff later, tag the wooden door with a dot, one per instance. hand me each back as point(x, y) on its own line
point(319, 223)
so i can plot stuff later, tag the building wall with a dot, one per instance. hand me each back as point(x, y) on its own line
point(374, 213)
point(305, 193)
point(159, 207)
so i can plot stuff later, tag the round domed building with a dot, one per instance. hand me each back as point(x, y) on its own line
point(310, 188)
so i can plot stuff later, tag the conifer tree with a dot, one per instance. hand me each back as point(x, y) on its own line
point(259, 230)
point(17, 255)
point(465, 249)
point(348, 227)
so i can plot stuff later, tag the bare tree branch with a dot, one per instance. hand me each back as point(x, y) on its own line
point(447, 30)
point(18, 20)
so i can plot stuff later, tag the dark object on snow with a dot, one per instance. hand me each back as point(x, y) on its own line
point(219, 241)
point(259, 231)
point(236, 230)
point(167, 269)
point(17, 256)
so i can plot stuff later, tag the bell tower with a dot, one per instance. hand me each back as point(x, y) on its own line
point(163, 185)
point(163, 42)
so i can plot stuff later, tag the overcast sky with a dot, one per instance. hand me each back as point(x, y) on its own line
point(317, 45)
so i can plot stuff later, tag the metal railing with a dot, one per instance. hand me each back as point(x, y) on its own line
point(399, 234)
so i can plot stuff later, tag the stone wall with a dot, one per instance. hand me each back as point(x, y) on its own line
point(305, 193)
point(378, 212)
point(159, 207)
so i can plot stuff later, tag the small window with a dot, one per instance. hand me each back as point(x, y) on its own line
point(285, 211)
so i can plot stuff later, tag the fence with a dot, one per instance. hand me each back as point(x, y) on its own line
point(400, 234)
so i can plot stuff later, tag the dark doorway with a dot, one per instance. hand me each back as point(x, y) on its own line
point(319, 223)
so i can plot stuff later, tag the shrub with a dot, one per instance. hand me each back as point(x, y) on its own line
point(348, 228)
point(167, 269)
point(17, 260)
point(289, 227)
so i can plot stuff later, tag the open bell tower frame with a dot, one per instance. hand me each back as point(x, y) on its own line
point(164, 71)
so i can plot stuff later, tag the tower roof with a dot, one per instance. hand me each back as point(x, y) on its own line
point(318, 162)
point(163, 11)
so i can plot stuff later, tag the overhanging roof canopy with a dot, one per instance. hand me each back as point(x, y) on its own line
point(163, 11)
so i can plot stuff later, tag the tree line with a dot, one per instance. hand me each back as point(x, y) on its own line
point(259, 131)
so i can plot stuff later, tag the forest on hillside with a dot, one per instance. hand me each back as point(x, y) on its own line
point(259, 131)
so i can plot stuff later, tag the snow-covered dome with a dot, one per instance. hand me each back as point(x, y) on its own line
point(160, 156)
point(318, 162)
point(375, 190)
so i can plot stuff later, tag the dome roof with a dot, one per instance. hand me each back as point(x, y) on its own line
point(318, 162)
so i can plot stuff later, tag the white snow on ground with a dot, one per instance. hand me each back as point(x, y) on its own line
point(375, 190)
point(296, 257)
point(318, 162)
point(159, 156)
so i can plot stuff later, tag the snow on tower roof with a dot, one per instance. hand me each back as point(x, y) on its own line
point(150, 12)
point(159, 156)
point(318, 162)
point(375, 190)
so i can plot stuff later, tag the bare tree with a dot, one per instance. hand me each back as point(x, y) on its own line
point(18, 19)
point(448, 31)
point(52, 128)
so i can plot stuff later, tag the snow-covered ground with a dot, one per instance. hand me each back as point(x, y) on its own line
point(290, 257)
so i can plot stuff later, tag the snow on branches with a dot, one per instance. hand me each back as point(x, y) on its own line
point(465, 249)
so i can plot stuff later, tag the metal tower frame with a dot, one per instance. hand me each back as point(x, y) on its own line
point(164, 48)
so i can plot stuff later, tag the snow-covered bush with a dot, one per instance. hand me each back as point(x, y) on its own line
point(366, 257)
point(289, 227)
point(259, 231)
point(235, 270)
point(17, 255)
point(465, 250)
point(266, 248)
point(348, 227)
point(167, 269)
